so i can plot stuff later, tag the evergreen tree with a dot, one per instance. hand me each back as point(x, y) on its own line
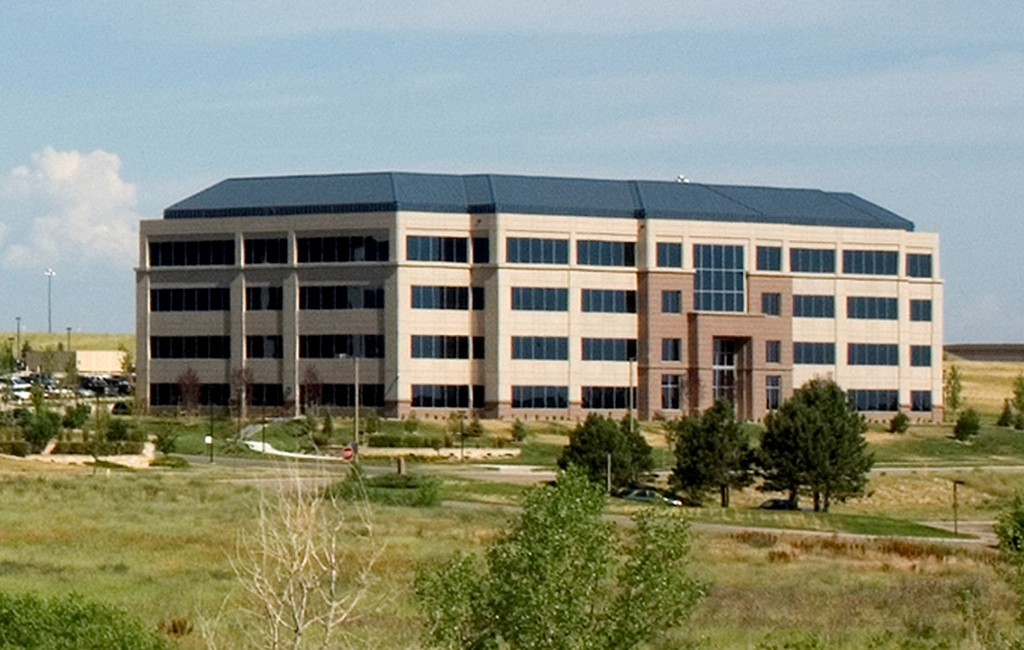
point(1006, 416)
point(712, 453)
point(1018, 402)
point(953, 390)
point(597, 437)
point(815, 444)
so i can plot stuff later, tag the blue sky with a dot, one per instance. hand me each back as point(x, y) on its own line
point(113, 109)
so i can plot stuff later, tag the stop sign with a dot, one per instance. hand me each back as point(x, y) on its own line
point(348, 453)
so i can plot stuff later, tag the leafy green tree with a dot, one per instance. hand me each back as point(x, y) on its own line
point(953, 390)
point(967, 425)
point(29, 622)
point(1006, 416)
point(1010, 531)
point(899, 423)
point(1017, 401)
point(814, 443)
point(40, 425)
point(597, 438)
point(559, 579)
point(712, 453)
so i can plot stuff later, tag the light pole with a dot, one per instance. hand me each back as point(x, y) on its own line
point(17, 337)
point(629, 397)
point(69, 339)
point(956, 527)
point(355, 420)
point(49, 273)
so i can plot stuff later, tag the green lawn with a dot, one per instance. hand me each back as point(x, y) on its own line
point(933, 445)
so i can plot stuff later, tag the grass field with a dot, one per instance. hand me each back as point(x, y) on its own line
point(160, 542)
point(79, 340)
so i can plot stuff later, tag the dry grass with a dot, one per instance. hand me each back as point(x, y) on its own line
point(79, 340)
point(986, 383)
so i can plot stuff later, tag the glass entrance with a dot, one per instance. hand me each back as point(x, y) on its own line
point(724, 369)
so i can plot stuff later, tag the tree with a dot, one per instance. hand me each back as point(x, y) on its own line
point(712, 453)
point(1010, 531)
point(953, 390)
point(189, 390)
point(596, 438)
point(815, 444)
point(1006, 416)
point(559, 579)
point(311, 388)
point(967, 425)
point(40, 425)
point(1017, 401)
point(304, 570)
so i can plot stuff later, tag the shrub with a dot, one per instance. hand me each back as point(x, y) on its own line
point(518, 431)
point(117, 430)
point(390, 489)
point(1006, 417)
point(392, 440)
point(174, 462)
point(34, 623)
point(967, 425)
point(411, 424)
point(166, 440)
point(76, 416)
point(899, 423)
point(15, 448)
point(371, 423)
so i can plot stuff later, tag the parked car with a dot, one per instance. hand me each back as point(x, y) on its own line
point(647, 495)
point(779, 504)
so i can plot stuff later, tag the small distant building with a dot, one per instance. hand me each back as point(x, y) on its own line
point(86, 362)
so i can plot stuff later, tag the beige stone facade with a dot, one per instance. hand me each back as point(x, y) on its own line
point(484, 376)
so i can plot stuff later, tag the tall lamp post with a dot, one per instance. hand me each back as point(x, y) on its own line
point(355, 422)
point(17, 337)
point(629, 397)
point(49, 273)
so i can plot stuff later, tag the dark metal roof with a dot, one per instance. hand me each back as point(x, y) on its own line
point(498, 193)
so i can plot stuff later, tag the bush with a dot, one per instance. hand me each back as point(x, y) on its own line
point(390, 489)
point(15, 448)
point(392, 440)
point(899, 423)
point(967, 425)
point(1006, 417)
point(410, 424)
point(166, 440)
point(174, 462)
point(76, 416)
point(102, 448)
point(31, 622)
point(518, 431)
point(371, 423)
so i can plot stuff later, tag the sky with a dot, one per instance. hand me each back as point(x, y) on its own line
point(112, 110)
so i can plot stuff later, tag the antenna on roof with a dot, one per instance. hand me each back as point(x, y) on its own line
point(682, 179)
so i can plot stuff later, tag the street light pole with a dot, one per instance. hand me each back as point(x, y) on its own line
point(69, 339)
point(630, 395)
point(49, 273)
point(956, 527)
point(17, 337)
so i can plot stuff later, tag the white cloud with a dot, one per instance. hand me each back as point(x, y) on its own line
point(65, 208)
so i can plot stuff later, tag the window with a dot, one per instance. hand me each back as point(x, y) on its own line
point(190, 347)
point(873, 399)
point(814, 306)
point(442, 298)
point(609, 349)
point(371, 395)
point(719, 281)
point(723, 370)
point(771, 304)
point(481, 250)
point(266, 251)
point(920, 400)
point(814, 353)
point(605, 253)
point(219, 252)
point(671, 349)
point(610, 301)
point(446, 347)
point(671, 302)
point(920, 310)
point(872, 308)
point(773, 391)
point(921, 356)
point(606, 397)
point(314, 250)
point(442, 396)
point(773, 351)
point(872, 354)
point(671, 390)
point(266, 394)
point(264, 347)
point(170, 394)
point(436, 249)
point(523, 250)
point(549, 348)
point(540, 397)
point(540, 299)
point(769, 258)
point(812, 260)
point(190, 299)
point(919, 265)
point(670, 255)
point(871, 262)
point(341, 297)
point(332, 346)
point(264, 298)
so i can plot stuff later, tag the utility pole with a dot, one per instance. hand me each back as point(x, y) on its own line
point(49, 273)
